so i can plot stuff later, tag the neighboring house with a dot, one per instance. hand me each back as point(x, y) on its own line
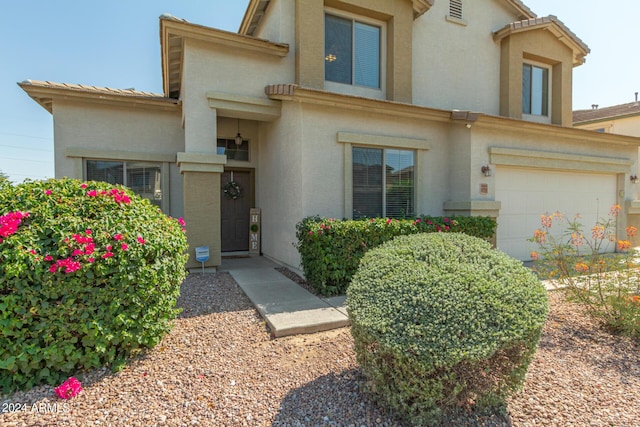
point(623, 119)
point(348, 108)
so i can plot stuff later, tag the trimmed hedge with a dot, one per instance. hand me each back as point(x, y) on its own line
point(89, 274)
point(330, 249)
point(443, 322)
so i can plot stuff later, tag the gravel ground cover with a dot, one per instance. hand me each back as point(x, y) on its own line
point(218, 367)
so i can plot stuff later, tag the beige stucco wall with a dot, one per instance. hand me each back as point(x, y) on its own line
point(622, 126)
point(309, 42)
point(486, 137)
point(457, 66)
point(121, 133)
point(302, 167)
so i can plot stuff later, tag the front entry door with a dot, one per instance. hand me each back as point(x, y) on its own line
point(235, 212)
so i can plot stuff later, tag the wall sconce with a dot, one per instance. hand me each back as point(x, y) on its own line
point(634, 179)
point(486, 170)
point(238, 136)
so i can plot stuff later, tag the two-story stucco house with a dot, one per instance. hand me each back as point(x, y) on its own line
point(350, 108)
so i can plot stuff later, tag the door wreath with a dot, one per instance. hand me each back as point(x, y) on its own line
point(232, 190)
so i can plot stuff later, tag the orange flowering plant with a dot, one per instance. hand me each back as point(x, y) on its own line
point(598, 270)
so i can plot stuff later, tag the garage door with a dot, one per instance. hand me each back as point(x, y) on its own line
point(526, 194)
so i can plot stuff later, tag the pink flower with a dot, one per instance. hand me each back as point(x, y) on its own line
point(107, 255)
point(141, 240)
point(48, 258)
point(89, 248)
point(118, 237)
point(10, 222)
point(181, 222)
point(124, 246)
point(88, 232)
point(83, 185)
point(69, 265)
point(388, 221)
point(33, 251)
point(109, 247)
point(92, 193)
point(47, 192)
point(68, 389)
point(90, 260)
point(77, 252)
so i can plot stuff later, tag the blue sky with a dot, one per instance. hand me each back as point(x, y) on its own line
point(116, 44)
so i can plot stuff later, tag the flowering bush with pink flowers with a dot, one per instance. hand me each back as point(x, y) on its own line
point(89, 274)
point(596, 268)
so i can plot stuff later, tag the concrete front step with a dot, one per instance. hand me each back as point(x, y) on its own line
point(288, 308)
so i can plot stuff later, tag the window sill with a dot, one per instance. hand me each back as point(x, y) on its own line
point(458, 21)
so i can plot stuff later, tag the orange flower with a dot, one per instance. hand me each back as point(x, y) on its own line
point(581, 267)
point(546, 221)
point(597, 232)
point(615, 210)
point(540, 236)
point(624, 245)
point(631, 231)
point(577, 239)
point(534, 255)
point(634, 299)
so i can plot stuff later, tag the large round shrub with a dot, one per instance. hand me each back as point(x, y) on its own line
point(443, 322)
point(89, 273)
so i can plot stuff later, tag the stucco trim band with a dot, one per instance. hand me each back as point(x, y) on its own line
point(90, 153)
point(199, 162)
point(557, 161)
point(244, 107)
point(474, 207)
point(383, 141)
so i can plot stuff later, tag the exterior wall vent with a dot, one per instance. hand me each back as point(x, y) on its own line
point(455, 9)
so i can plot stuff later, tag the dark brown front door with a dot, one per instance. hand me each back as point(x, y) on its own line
point(235, 212)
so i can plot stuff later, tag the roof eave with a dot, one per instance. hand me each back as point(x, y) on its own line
point(45, 96)
point(556, 27)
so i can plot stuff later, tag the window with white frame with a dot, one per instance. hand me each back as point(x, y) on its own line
point(383, 182)
point(535, 90)
point(353, 51)
point(143, 178)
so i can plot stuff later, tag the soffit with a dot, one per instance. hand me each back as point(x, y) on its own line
point(552, 24)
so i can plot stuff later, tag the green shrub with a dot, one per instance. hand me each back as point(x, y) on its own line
point(89, 274)
point(442, 322)
point(330, 250)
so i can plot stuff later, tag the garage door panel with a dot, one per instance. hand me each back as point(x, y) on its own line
point(538, 192)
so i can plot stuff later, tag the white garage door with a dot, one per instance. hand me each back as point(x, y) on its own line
point(526, 194)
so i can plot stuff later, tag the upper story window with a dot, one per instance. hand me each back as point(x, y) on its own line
point(383, 183)
point(535, 90)
point(353, 51)
point(143, 178)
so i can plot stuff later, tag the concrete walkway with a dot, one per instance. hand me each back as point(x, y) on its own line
point(287, 308)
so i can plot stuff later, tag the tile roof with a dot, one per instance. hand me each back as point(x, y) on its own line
point(92, 89)
point(552, 22)
point(606, 113)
